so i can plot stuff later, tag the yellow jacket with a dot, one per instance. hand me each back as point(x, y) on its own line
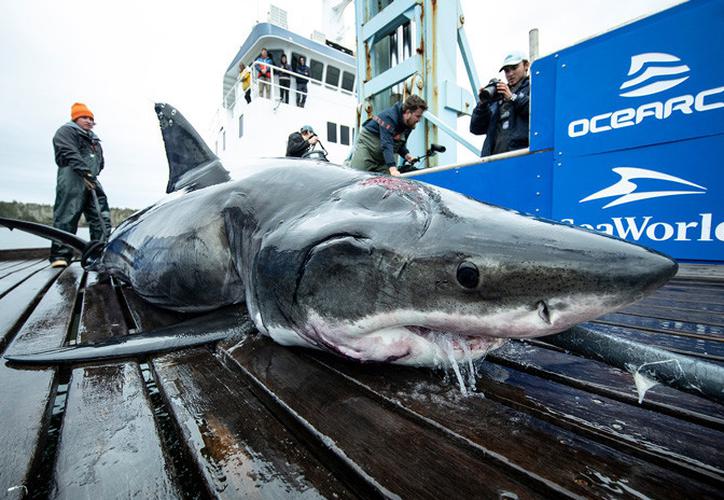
point(245, 79)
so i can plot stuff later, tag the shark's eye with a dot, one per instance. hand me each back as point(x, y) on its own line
point(468, 274)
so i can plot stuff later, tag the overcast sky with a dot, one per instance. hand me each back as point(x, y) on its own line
point(121, 57)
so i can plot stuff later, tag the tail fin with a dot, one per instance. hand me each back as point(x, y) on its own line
point(46, 232)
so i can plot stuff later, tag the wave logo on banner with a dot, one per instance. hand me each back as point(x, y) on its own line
point(653, 72)
point(626, 190)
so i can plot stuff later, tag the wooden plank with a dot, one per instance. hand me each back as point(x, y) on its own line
point(671, 327)
point(671, 313)
point(20, 301)
point(571, 460)
point(704, 282)
point(694, 285)
point(700, 272)
point(398, 453)
point(26, 394)
point(691, 294)
point(668, 441)
point(9, 264)
point(686, 306)
point(598, 378)
point(25, 253)
point(16, 265)
point(241, 449)
point(15, 277)
point(101, 315)
point(109, 445)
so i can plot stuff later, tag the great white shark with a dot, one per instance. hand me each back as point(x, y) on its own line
point(368, 267)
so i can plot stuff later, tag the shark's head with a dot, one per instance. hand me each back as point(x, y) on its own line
point(395, 270)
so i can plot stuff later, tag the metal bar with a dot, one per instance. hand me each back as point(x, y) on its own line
point(363, 60)
point(388, 20)
point(457, 98)
point(392, 76)
point(97, 206)
point(468, 61)
point(483, 160)
point(533, 45)
point(451, 132)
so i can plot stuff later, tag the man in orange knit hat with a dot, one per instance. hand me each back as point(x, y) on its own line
point(79, 157)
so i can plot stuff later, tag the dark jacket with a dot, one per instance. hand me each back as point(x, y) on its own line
point(302, 82)
point(78, 149)
point(486, 119)
point(393, 133)
point(284, 78)
point(297, 145)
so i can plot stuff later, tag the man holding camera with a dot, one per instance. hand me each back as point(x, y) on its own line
point(301, 142)
point(384, 135)
point(503, 109)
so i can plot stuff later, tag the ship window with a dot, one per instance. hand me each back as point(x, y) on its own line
point(241, 125)
point(332, 76)
point(331, 132)
point(223, 139)
point(276, 55)
point(344, 135)
point(316, 69)
point(347, 80)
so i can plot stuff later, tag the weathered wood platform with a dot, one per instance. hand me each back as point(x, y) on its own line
point(261, 420)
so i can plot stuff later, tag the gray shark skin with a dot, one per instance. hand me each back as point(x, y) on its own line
point(368, 267)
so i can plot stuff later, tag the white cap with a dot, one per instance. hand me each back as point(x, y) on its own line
point(513, 58)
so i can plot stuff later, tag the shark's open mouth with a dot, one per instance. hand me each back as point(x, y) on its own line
point(459, 346)
point(408, 345)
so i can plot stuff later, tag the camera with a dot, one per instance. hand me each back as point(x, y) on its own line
point(490, 91)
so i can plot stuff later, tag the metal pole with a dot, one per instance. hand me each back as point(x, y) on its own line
point(533, 44)
point(97, 206)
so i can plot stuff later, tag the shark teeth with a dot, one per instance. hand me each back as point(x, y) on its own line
point(461, 345)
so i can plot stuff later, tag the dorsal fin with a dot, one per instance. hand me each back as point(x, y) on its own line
point(190, 161)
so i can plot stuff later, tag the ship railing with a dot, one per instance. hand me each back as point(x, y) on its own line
point(236, 93)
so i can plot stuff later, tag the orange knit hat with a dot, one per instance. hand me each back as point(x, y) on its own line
point(79, 109)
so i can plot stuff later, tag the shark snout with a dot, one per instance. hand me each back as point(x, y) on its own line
point(538, 277)
point(580, 286)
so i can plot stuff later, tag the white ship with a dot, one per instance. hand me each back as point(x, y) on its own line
point(242, 130)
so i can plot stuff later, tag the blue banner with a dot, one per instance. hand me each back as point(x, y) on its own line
point(668, 197)
point(654, 81)
point(627, 136)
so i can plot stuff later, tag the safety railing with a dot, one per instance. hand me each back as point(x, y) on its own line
point(259, 85)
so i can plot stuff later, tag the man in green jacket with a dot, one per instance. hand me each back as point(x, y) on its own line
point(383, 136)
point(79, 157)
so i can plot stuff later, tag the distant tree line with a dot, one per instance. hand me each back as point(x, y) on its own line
point(43, 214)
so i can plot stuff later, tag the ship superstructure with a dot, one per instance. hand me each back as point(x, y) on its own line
point(242, 130)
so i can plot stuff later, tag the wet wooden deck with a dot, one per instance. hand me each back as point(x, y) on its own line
point(261, 420)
